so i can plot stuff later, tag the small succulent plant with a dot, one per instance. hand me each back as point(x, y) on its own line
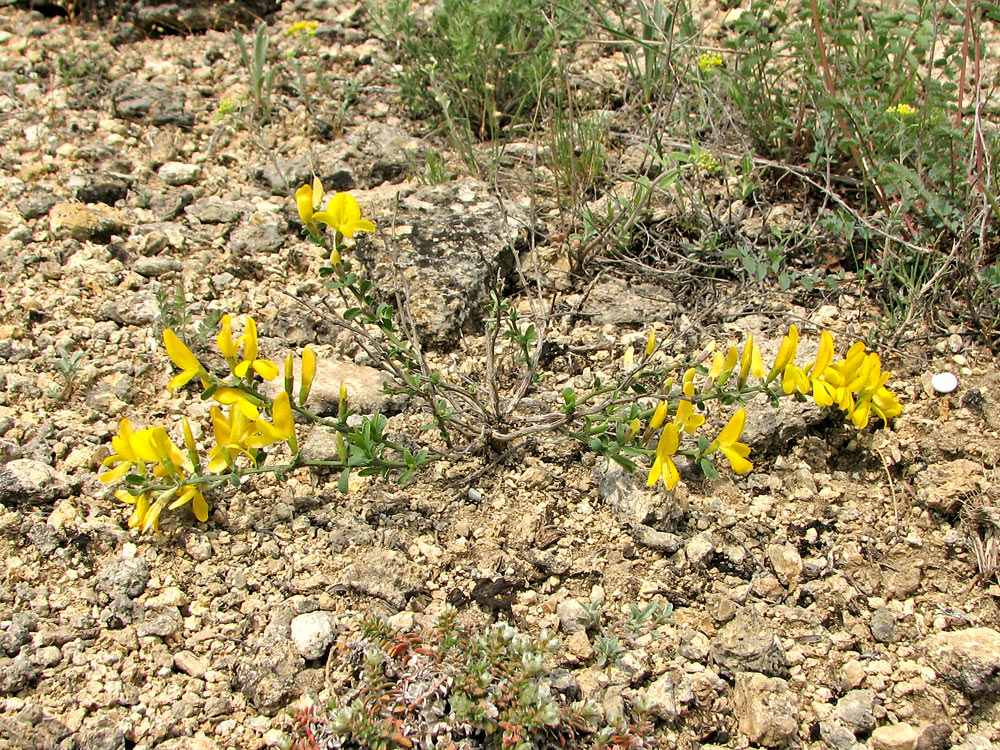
point(448, 689)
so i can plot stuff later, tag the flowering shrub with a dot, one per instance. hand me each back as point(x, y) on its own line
point(643, 415)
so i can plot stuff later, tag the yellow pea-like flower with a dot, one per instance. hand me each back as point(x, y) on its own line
point(225, 341)
point(181, 356)
point(728, 442)
point(263, 367)
point(750, 362)
point(307, 200)
point(663, 465)
point(344, 215)
point(789, 347)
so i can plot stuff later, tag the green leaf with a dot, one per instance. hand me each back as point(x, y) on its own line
point(351, 313)
point(619, 459)
point(708, 468)
point(345, 477)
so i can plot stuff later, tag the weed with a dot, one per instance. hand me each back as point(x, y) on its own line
point(174, 314)
point(608, 649)
point(68, 368)
point(452, 688)
point(485, 66)
point(654, 613)
point(592, 614)
point(261, 78)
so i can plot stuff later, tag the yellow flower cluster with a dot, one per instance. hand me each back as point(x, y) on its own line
point(709, 61)
point(902, 110)
point(150, 453)
point(302, 28)
point(342, 213)
point(152, 459)
point(708, 163)
point(856, 384)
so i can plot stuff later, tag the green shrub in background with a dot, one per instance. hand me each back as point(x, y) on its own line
point(483, 66)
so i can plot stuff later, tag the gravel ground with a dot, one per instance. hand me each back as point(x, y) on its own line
point(832, 597)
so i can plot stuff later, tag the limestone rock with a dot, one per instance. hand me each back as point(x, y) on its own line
point(765, 709)
point(450, 241)
point(81, 222)
point(967, 659)
point(177, 173)
point(124, 576)
point(365, 394)
point(856, 710)
point(836, 735)
point(747, 644)
point(943, 486)
point(894, 737)
point(266, 675)
point(571, 613)
point(661, 540)
point(883, 625)
point(312, 633)
point(132, 99)
point(786, 562)
point(36, 203)
point(661, 698)
point(25, 480)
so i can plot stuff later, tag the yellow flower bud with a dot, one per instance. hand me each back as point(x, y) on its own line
point(308, 374)
point(342, 410)
point(289, 374)
point(651, 344)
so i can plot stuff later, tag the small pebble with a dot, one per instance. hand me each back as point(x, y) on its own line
point(944, 382)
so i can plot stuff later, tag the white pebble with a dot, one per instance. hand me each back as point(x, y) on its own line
point(944, 382)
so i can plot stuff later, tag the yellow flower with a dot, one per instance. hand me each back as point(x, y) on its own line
point(125, 454)
point(872, 382)
point(232, 437)
point(688, 378)
point(628, 360)
point(141, 503)
point(686, 419)
point(225, 341)
point(789, 346)
point(709, 61)
point(229, 396)
point(308, 199)
point(651, 344)
point(728, 443)
point(308, 374)
point(263, 367)
point(795, 380)
point(190, 493)
point(886, 405)
point(750, 362)
point(722, 367)
point(663, 465)
point(185, 360)
point(302, 28)
point(825, 380)
point(283, 429)
point(718, 363)
point(344, 215)
point(902, 110)
point(659, 416)
point(163, 451)
point(708, 162)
